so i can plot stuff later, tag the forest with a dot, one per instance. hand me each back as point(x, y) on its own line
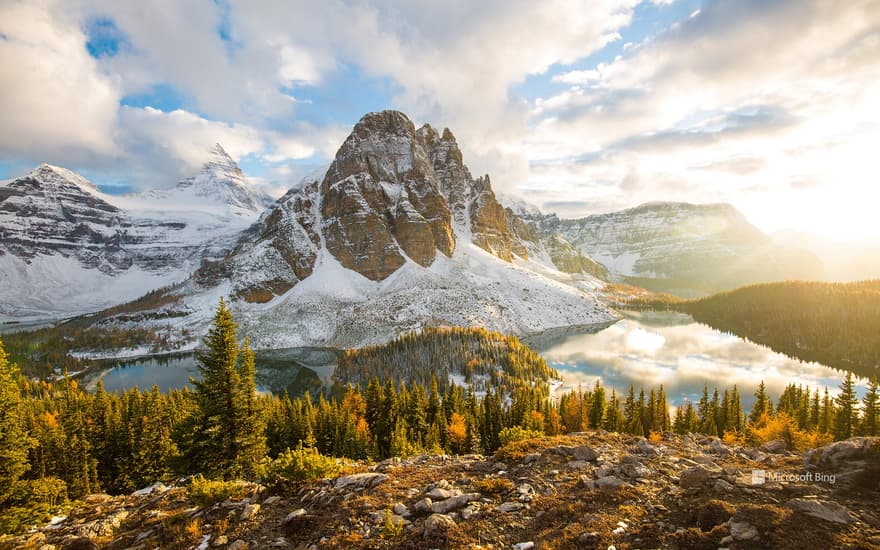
point(835, 324)
point(61, 442)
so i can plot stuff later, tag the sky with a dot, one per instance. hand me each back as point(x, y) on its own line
point(577, 107)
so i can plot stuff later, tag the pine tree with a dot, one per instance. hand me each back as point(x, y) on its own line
point(847, 415)
point(826, 414)
point(762, 404)
point(597, 406)
point(252, 425)
point(13, 439)
point(222, 444)
point(871, 410)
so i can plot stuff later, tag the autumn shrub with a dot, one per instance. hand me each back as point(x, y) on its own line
point(516, 433)
point(300, 464)
point(493, 486)
point(205, 492)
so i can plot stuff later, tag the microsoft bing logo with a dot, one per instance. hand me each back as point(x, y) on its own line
point(759, 477)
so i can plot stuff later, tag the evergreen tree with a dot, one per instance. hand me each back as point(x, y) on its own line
point(847, 416)
point(13, 439)
point(826, 414)
point(871, 410)
point(223, 445)
point(762, 404)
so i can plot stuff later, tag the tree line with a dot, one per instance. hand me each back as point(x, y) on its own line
point(835, 324)
point(59, 441)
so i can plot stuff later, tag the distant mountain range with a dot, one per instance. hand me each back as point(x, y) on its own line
point(397, 234)
point(67, 248)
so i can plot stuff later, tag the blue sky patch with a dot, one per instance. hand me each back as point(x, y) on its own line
point(104, 38)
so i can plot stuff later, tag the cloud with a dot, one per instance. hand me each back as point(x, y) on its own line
point(777, 83)
point(56, 104)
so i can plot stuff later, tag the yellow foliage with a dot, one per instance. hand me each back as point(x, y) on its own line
point(457, 431)
point(734, 438)
point(655, 437)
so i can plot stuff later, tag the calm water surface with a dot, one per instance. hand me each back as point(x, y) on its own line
point(652, 348)
point(644, 349)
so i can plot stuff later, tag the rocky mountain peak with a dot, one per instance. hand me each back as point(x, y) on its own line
point(381, 202)
point(50, 176)
point(221, 180)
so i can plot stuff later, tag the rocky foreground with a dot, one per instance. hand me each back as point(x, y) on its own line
point(590, 490)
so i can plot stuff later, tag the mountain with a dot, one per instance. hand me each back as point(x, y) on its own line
point(687, 249)
point(220, 184)
point(66, 248)
point(397, 235)
point(852, 260)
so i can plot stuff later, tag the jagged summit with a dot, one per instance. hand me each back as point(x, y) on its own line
point(58, 177)
point(221, 181)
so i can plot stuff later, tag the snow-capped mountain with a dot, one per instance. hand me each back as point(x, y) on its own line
point(395, 236)
point(220, 184)
point(689, 249)
point(67, 248)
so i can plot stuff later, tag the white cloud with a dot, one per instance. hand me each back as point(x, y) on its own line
point(54, 99)
point(794, 84)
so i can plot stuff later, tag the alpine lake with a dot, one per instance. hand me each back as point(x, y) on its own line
point(644, 349)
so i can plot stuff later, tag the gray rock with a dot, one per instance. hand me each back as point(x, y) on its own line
point(776, 446)
point(239, 545)
point(400, 509)
point(722, 486)
point(442, 494)
point(510, 507)
point(454, 503)
point(250, 511)
point(695, 476)
point(104, 527)
point(821, 509)
point(274, 499)
point(423, 506)
point(466, 513)
point(584, 452)
point(531, 457)
point(359, 481)
point(576, 464)
point(634, 469)
point(295, 514)
point(609, 482)
point(437, 522)
point(524, 545)
point(719, 448)
point(741, 530)
point(647, 448)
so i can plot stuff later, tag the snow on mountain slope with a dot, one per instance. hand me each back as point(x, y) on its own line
point(691, 249)
point(396, 236)
point(339, 307)
point(66, 248)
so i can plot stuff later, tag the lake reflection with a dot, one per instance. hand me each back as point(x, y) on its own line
point(294, 370)
point(652, 348)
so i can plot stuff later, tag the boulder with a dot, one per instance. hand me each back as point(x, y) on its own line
point(821, 509)
point(359, 481)
point(436, 524)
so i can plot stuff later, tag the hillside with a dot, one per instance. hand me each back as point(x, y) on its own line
point(686, 249)
point(396, 236)
point(835, 324)
point(67, 248)
point(473, 356)
point(587, 490)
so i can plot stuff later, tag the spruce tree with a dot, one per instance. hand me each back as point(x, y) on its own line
point(762, 404)
point(847, 402)
point(222, 444)
point(871, 410)
point(13, 439)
